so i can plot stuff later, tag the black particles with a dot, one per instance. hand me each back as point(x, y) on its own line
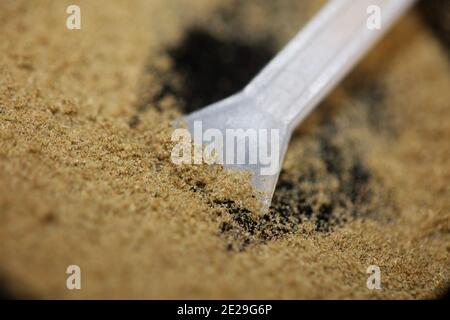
point(210, 69)
point(242, 216)
point(134, 121)
point(213, 68)
point(446, 295)
point(330, 153)
point(298, 199)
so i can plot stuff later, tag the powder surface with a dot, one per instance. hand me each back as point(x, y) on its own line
point(86, 176)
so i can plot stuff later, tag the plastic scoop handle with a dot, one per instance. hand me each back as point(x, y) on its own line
point(320, 55)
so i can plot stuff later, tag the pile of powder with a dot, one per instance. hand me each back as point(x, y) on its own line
point(86, 177)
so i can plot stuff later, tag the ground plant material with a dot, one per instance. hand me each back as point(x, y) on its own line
point(86, 177)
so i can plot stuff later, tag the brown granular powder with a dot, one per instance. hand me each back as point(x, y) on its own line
point(86, 176)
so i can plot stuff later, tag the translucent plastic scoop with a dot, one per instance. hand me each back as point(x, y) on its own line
point(289, 87)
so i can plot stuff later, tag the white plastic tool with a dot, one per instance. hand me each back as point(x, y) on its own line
point(291, 85)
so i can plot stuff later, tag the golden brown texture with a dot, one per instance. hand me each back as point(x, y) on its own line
point(78, 185)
